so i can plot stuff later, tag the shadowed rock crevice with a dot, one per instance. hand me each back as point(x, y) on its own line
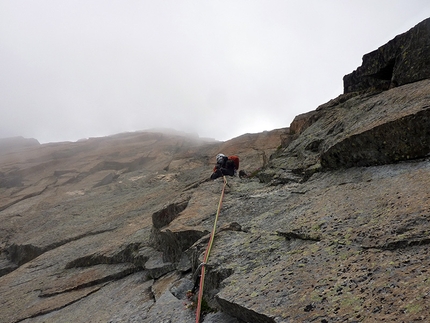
point(386, 72)
point(214, 278)
point(169, 213)
point(156, 266)
point(173, 244)
point(130, 254)
point(243, 313)
point(82, 283)
point(401, 244)
point(6, 266)
point(298, 235)
point(21, 254)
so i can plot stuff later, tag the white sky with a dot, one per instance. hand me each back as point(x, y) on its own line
point(87, 68)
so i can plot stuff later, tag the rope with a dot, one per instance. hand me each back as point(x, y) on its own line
point(206, 256)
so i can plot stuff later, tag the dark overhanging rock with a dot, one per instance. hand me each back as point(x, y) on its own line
point(173, 244)
point(20, 254)
point(169, 213)
point(298, 235)
point(404, 59)
point(133, 253)
point(243, 313)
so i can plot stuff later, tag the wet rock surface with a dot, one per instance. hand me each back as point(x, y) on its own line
point(330, 223)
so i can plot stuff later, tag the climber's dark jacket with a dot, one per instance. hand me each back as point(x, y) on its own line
point(223, 167)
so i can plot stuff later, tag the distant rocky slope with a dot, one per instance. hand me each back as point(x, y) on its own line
point(332, 223)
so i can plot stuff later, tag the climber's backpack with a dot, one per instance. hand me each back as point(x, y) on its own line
point(235, 160)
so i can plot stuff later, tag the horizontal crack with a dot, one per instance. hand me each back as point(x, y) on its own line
point(129, 254)
point(297, 235)
point(56, 308)
point(105, 279)
point(400, 244)
point(4, 207)
point(241, 312)
point(21, 254)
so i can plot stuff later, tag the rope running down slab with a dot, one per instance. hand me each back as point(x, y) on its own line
point(206, 256)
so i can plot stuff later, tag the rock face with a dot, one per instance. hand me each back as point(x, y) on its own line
point(83, 224)
point(365, 130)
point(403, 60)
point(332, 223)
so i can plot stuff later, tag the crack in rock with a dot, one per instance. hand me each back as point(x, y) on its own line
point(40, 309)
point(169, 213)
point(132, 253)
point(21, 254)
point(297, 235)
point(25, 197)
point(243, 313)
point(173, 244)
point(87, 279)
point(400, 244)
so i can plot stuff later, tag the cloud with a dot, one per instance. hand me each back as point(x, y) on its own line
point(92, 68)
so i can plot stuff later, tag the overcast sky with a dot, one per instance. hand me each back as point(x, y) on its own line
point(73, 69)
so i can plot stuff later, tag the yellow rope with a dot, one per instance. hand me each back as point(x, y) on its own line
point(206, 256)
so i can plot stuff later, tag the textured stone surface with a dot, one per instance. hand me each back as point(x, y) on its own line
point(334, 248)
point(88, 215)
point(341, 244)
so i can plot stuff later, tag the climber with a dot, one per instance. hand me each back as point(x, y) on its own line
point(225, 166)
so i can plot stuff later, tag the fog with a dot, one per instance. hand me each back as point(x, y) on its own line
point(78, 69)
